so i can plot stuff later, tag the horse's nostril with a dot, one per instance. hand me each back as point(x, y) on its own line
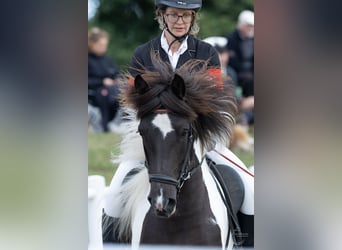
point(171, 202)
point(149, 199)
point(170, 205)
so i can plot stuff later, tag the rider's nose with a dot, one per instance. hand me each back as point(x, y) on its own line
point(180, 19)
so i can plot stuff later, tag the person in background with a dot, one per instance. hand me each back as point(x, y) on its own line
point(102, 77)
point(240, 140)
point(220, 43)
point(241, 58)
point(94, 119)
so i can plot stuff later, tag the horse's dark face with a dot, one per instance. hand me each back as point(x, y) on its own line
point(167, 140)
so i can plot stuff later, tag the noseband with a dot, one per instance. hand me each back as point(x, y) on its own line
point(185, 173)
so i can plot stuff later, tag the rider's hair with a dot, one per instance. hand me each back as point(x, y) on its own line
point(160, 11)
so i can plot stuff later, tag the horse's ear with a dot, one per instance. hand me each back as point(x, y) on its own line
point(178, 86)
point(140, 84)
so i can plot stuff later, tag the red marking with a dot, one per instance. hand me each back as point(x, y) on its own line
point(216, 75)
point(162, 111)
point(131, 81)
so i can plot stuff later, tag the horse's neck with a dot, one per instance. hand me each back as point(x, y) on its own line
point(193, 192)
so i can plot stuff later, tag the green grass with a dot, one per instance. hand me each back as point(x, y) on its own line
point(245, 157)
point(102, 147)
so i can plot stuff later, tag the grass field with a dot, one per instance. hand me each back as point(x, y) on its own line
point(102, 148)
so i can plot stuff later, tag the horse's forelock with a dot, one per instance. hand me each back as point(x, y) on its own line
point(203, 103)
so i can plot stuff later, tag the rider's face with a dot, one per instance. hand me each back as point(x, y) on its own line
point(178, 20)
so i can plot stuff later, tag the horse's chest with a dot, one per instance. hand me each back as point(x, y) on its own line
point(180, 231)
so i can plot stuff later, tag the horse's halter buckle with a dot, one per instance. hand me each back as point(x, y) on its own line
point(182, 179)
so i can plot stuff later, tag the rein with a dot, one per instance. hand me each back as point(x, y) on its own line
point(225, 157)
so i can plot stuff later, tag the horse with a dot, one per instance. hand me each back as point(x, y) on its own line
point(172, 195)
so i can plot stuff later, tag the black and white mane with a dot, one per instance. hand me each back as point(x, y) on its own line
point(209, 106)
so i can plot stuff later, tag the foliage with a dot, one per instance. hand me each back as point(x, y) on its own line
point(131, 22)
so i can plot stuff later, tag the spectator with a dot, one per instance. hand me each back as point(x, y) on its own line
point(220, 44)
point(241, 59)
point(94, 119)
point(102, 77)
point(240, 137)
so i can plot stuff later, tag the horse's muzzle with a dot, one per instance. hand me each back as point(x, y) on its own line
point(164, 208)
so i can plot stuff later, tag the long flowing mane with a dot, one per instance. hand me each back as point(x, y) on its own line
point(210, 108)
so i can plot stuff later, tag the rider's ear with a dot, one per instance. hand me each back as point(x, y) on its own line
point(178, 86)
point(140, 84)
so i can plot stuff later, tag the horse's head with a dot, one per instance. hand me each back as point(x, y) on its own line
point(168, 139)
point(168, 144)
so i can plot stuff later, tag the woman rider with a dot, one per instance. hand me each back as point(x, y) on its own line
point(177, 43)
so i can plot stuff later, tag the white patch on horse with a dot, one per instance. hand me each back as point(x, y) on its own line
point(212, 221)
point(136, 191)
point(162, 121)
point(215, 201)
point(159, 203)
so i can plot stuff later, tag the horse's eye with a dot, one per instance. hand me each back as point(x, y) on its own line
point(185, 132)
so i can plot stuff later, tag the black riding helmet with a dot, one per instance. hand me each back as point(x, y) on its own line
point(184, 4)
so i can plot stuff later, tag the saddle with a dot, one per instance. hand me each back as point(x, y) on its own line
point(233, 195)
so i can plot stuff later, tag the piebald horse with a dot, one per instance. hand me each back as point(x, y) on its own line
point(171, 195)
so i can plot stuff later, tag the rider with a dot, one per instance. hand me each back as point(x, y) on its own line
point(176, 44)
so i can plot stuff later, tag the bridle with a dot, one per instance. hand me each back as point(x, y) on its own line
point(186, 172)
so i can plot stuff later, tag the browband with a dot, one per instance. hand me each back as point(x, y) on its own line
point(161, 111)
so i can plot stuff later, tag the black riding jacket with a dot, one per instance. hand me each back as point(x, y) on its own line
point(197, 49)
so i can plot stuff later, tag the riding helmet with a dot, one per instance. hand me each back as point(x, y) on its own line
point(183, 4)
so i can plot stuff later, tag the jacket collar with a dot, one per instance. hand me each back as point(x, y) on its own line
point(190, 53)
